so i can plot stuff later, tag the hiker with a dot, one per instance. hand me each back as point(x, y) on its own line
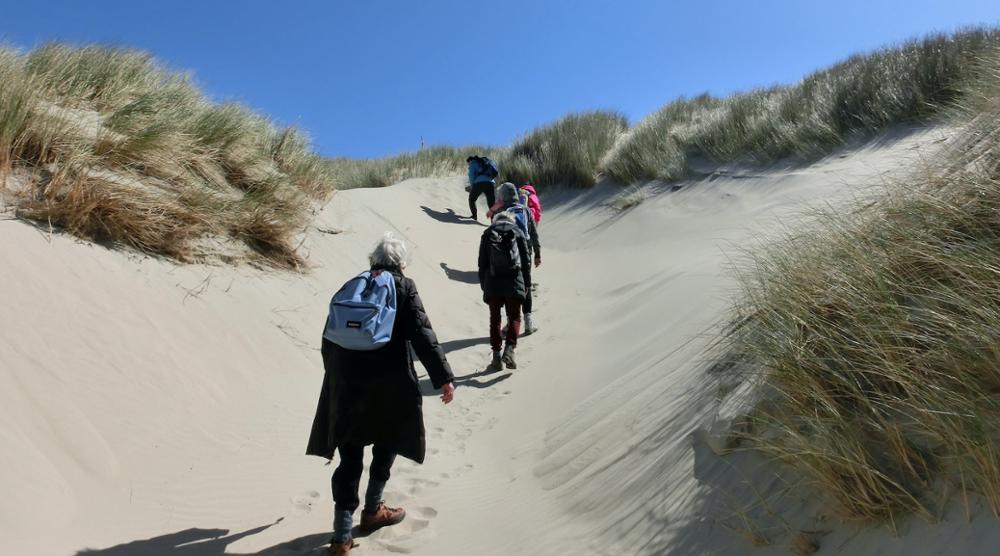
point(482, 179)
point(509, 202)
point(527, 196)
point(504, 275)
point(370, 392)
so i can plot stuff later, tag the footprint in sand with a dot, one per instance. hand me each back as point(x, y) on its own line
point(303, 503)
point(418, 485)
point(426, 512)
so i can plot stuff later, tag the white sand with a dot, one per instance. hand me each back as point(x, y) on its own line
point(154, 409)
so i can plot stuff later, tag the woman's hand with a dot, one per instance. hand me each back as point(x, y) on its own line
point(448, 392)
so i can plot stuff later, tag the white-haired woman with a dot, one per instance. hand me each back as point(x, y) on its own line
point(373, 398)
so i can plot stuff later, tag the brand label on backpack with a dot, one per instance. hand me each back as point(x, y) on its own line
point(362, 312)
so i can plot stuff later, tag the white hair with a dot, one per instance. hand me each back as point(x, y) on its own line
point(503, 216)
point(389, 252)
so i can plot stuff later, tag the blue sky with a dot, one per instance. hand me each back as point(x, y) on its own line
point(371, 77)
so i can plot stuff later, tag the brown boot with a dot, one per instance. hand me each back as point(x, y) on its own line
point(383, 516)
point(341, 548)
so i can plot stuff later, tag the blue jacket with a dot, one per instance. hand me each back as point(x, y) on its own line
point(477, 173)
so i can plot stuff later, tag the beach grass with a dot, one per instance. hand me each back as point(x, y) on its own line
point(905, 83)
point(878, 330)
point(108, 145)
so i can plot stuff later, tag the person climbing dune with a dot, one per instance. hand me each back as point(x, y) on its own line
point(483, 172)
point(503, 276)
point(370, 393)
point(527, 196)
point(510, 202)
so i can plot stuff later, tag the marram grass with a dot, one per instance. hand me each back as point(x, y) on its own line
point(879, 331)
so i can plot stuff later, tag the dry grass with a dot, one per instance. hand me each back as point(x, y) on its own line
point(441, 161)
point(124, 151)
point(566, 152)
point(880, 329)
point(864, 94)
point(563, 153)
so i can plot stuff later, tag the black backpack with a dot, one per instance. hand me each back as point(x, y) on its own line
point(487, 167)
point(505, 256)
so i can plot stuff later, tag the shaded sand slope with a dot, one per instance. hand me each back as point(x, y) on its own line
point(148, 408)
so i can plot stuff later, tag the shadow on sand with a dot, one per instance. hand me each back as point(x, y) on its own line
point(472, 380)
point(464, 276)
point(211, 542)
point(448, 217)
point(457, 345)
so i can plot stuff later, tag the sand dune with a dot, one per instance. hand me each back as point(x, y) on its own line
point(150, 408)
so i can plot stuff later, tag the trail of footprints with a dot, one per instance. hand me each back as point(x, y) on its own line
point(468, 415)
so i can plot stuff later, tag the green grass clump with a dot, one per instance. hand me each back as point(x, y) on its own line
point(880, 332)
point(863, 94)
point(566, 152)
point(439, 161)
point(117, 148)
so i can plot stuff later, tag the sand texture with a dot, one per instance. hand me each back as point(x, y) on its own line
point(150, 408)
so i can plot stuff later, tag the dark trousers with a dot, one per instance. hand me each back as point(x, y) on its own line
point(526, 306)
point(513, 308)
point(347, 478)
point(478, 189)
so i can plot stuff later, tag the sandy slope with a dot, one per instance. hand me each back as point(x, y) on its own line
point(152, 409)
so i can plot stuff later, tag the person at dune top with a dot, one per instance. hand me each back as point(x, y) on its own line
point(370, 393)
point(503, 276)
point(482, 179)
point(510, 202)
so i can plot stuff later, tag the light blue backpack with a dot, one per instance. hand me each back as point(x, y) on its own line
point(362, 312)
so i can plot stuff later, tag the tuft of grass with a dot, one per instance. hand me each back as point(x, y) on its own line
point(126, 151)
point(861, 95)
point(632, 196)
point(566, 152)
point(436, 161)
point(880, 329)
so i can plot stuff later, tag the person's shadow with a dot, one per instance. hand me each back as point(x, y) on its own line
point(471, 380)
point(464, 276)
point(449, 217)
point(210, 542)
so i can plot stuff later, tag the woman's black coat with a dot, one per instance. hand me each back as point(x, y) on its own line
point(373, 397)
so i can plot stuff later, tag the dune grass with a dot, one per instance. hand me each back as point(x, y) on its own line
point(114, 147)
point(862, 95)
point(439, 161)
point(565, 153)
point(880, 333)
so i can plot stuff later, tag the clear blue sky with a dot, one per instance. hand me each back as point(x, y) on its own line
point(370, 77)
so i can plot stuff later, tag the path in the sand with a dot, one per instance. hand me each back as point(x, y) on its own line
point(154, 409)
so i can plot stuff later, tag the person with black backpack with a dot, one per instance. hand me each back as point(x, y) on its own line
point(510, 203)
point(504, 277)
point(483, 173)
point(370, 393)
